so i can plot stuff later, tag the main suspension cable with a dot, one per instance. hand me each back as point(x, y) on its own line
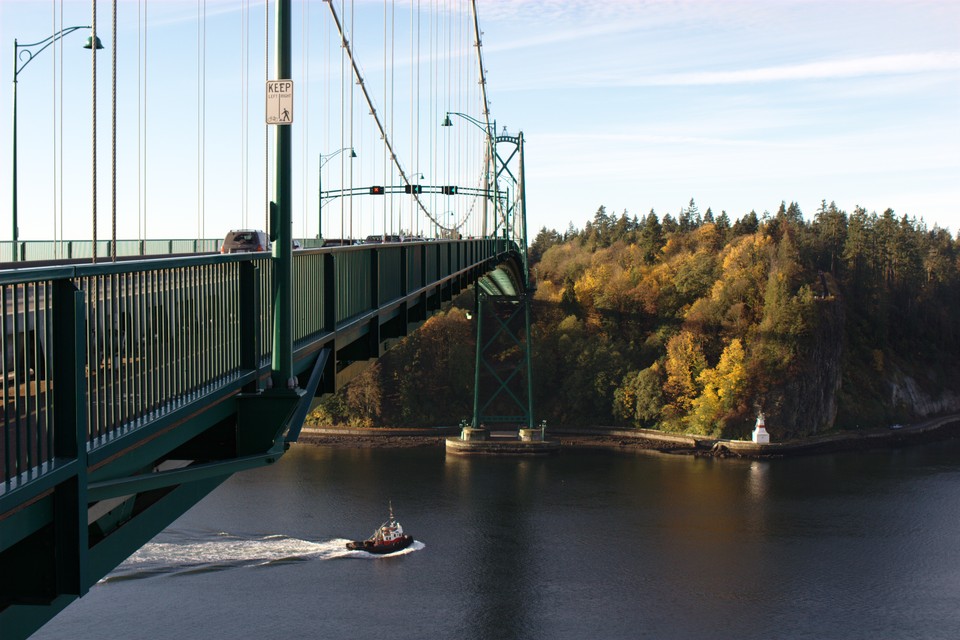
point(395, 160)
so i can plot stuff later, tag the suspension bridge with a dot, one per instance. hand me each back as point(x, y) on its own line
point(139, 374)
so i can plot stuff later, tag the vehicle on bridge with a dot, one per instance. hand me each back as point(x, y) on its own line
point(380, 239)
point(245, 241)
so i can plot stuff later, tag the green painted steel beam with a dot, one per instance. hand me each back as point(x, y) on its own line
point(176, 310)
point(162, 479)
point(281, 217)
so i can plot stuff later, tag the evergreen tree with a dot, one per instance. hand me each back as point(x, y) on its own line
point(669, 225)
point(545, 239)
point(830, 227)
point(650, 237)
point(690, 217)
point(746, 225)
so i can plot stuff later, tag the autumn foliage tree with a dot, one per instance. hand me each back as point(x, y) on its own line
point(691, 323)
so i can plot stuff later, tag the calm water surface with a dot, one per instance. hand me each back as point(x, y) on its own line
point(583, 545)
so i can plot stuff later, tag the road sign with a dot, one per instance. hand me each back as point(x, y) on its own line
point(279, 101)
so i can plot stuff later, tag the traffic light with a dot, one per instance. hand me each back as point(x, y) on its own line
point(449, 190)
point(412, 188)
point(376, 191)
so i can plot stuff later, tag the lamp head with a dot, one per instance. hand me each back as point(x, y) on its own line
point(446, 121)
point(93, 42)
point(353, 153)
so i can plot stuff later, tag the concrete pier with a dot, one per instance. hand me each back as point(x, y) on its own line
point(482, 442)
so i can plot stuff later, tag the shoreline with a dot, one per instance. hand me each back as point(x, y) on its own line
point(605, 438)
point(939, 428)
point(587, 438)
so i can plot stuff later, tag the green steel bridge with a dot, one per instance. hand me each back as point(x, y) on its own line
point(133, 389)
point(139, 375)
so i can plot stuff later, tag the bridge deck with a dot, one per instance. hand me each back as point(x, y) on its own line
point(132, 389)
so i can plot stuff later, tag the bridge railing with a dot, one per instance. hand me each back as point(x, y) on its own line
point(118, 346)
point(147, 338)
point(26, 324)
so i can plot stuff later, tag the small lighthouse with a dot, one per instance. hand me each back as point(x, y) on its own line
point(760, 435)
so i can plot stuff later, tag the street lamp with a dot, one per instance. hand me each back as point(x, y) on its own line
point(490, 130)
point(324, 159)
point(23, 54)
point(447, 225)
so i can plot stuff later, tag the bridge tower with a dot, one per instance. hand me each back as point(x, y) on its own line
point(503, 375)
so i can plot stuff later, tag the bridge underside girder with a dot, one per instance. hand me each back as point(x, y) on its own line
point(85, 511)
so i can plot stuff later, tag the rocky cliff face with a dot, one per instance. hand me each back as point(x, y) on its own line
point(907, 394)
point(865, 392)
point(807, 401)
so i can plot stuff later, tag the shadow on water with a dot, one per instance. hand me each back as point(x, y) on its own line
point(501, 591)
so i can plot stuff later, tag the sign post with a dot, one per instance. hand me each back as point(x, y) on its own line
point(279, 101)
point(279, 112)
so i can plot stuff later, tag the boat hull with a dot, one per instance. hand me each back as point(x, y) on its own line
point(381, 547)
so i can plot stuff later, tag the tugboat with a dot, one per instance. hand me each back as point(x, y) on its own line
point(389, 537)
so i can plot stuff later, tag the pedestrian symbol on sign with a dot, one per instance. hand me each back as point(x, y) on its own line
point(280, 102)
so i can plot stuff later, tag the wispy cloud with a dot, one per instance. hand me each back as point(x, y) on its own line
point(821, 70)
point(620, 74)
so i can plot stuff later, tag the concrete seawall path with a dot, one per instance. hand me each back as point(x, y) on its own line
point(655, 441)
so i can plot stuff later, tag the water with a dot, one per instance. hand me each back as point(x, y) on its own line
point(582, 545)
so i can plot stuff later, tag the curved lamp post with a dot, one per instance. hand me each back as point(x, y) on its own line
point(23, 54)
point(490, 131)
point(324, 159)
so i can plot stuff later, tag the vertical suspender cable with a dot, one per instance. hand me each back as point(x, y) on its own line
point(113, 138)
point(419, 91)
point(460, 148)
point(353, 33)
point(139, 119)
point(266, 128)
point(414, 69)
point(197, 121)
point(146, 58)
point(244, 17)
point(366, 95)
point(93, 150)
point(393, 110)
point(53, 12)
point(246, 117)
point(386, 163)
point(343, 118)
point(201, 110)
point(203, 128)
point(325, 123)
point(447, 26)
point(304, 70)
point(60, 248)
point(431, 92)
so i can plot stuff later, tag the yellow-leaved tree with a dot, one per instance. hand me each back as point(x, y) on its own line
point(684, 362)
point(722, 386)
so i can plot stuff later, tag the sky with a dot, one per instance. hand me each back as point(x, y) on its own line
point(627, 104)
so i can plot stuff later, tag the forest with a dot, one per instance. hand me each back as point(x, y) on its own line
point(695, 323)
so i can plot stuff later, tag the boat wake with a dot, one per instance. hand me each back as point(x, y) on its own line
point(190, 553)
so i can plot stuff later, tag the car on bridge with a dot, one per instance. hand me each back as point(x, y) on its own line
point(245, 241)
